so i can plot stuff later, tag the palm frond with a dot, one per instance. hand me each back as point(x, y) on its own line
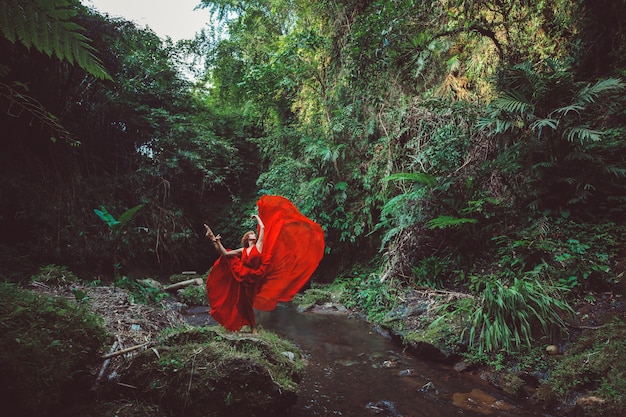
point(590, 93)
point(615, 170)
point(582, 134)
point(513, 102)
point(539, 124)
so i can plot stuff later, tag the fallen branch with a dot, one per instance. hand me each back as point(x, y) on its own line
point(123, 351)
point(183, 284)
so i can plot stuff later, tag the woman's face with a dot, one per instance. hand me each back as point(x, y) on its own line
point(252, 238)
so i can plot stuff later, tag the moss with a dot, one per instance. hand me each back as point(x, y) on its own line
point(193, 295)
point(443, 333)
point(593, 367)
point(312, 297)
point(47, 346)
point(210, 372)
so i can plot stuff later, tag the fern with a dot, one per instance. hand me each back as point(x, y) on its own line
point(615, 170)
point(46, 25)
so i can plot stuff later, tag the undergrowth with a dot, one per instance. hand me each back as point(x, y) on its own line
point(47, 346)
point(595, 366)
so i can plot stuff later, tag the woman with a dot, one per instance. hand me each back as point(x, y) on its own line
point(234, 277)
point(266, 270)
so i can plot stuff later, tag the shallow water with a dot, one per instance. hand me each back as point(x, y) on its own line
point(353, 371)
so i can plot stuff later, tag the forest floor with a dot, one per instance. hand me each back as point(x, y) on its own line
point(131, 324)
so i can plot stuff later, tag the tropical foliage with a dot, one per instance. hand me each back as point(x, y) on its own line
point(471, 145)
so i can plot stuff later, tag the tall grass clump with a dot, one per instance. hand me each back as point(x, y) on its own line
point(510, 316)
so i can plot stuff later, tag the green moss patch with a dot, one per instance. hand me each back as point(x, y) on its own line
point(210, 372)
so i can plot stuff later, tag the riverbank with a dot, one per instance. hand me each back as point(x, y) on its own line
point(581, 373)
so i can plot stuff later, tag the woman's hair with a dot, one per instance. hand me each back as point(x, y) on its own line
point(244, 240)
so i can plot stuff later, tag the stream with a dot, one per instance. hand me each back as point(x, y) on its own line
point(353, 371)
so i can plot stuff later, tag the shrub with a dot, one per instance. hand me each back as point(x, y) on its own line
point(193, 295)
point(54, 275)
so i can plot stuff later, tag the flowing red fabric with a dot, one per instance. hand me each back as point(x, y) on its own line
point(293, 246)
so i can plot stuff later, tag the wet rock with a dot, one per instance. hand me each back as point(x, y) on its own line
point(383, 408)
point(348, 362)
point(510, 383)
point(479, 401)
point(429, 391)
point(462, 366)
point(329, 309)
point(414, 310)
point(392, 363)
point(552, 350)
point(290, 355)
point(407, 372)
point(428, 351)
point(429, 386)
point(590, 405)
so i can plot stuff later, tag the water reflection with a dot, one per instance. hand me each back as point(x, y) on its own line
point(355, 372)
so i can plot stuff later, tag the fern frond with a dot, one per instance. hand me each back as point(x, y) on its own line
point(579, 156)
point(46, 25)
point(544, 164)
point(565, 110)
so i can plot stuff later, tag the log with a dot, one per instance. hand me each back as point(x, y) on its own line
point(183, 284)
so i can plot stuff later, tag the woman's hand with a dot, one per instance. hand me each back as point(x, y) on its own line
point(210, 235)
point(258, 220)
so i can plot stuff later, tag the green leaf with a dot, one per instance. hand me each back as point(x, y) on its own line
point(106, 217)
point(128, 214)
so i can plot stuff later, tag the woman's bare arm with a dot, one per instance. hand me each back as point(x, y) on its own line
point(259, 241)
point(217, 242)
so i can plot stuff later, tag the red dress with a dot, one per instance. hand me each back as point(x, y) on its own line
point(293, 246)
